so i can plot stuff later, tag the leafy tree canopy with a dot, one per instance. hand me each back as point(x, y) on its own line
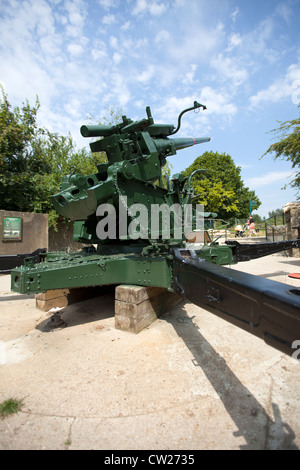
point(288, 146)
point(33, 160)
point(220, 189)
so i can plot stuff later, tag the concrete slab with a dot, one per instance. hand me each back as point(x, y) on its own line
point(188, 381)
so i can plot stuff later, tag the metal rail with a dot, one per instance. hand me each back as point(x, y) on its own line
point(267, 309)
point(9, 262)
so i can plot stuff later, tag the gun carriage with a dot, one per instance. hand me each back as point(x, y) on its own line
point(126, 247)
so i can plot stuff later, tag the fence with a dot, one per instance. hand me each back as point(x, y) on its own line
point(273, 229)
point(217, 228)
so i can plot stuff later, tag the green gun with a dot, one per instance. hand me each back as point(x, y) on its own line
point(136, 232)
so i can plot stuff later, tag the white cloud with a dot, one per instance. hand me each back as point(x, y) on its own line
point(163, 54)
point(99, 53)
point(235, 14)
point(75, 49)
point(51, 46)
point(140, 7)
point(284, 11)
point(76, 14)
point(217, 102)
point(109, 19)
point(269, 178)
point(113, 41)
point(235, 40)
point(169, 109)
point(117, 58)
point(196, 43)
point(126, 26)
point(157, 9)
point(162, 36)
point(244, 166)
point(146, 75)
point(261, 44)
point(280, 89)
point(107, 4)
point(229, 70)
point(149, 6)
point(73, 107)
point(189, 77)
point(135, 47)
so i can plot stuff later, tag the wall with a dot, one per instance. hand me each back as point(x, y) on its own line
point(62, 239)
point(35, 233)
point(292, 222)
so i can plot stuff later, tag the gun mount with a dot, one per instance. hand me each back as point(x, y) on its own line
point(136, 230)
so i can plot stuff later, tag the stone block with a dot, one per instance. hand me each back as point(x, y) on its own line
point(136, 307)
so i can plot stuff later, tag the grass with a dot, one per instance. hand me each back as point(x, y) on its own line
point(10, 406)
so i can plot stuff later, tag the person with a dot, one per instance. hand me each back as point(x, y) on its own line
point(251, 226)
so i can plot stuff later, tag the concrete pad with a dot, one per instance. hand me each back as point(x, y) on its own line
point(188, 381)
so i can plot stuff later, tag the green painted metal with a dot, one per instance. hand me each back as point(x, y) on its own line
point(136, 153)
point(77, 270)
point(72, 270)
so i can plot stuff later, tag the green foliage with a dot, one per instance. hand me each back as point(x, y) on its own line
point(257, 218)
point(10, 406)
point(34, 160)
point(288, 147)
point(220, 189)
point(17, 127)
point(277, 212)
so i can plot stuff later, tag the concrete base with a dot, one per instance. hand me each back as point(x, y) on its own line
point(52, 299)
point(191, 381)
point(137, 307)
point(64, 297)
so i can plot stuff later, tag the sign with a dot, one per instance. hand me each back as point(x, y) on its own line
point(11, 229)
point(252, 205)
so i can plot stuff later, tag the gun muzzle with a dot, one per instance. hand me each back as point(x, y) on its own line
point(184, 142)
point(96, 131)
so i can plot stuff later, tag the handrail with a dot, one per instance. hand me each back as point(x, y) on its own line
point(273, 230)
point(211, 229)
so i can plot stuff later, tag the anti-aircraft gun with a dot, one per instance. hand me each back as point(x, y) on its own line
point(136, 232)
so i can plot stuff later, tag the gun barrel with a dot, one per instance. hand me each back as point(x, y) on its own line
point(184, 142)
point(96, 131)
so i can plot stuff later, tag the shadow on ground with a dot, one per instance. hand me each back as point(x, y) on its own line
point(253, 422)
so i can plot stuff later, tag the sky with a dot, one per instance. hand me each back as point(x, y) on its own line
point(240, 58)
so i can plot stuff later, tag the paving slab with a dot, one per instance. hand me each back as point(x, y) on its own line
point(190, 381)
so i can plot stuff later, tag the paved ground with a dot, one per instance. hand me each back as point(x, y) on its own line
point(189, 381)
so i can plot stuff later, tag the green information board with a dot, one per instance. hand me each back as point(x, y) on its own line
point(11, 228)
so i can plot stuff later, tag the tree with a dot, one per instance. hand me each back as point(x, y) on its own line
point(33, 160)
point(288, 147)
point(277, 212)
point(19, 163)
point(220, 189)
point(257, 218)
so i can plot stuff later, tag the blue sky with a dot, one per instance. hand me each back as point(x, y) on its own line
point(240, 58)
